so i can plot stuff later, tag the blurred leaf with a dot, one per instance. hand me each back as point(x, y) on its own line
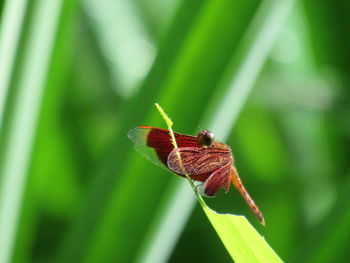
point(22, 123)
point(52, 186)
point(10, 31)
point(124, 40)
point(329, 240)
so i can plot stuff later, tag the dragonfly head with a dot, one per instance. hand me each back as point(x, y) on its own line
point(205, 138)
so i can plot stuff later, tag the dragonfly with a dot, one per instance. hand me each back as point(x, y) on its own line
point(201, 157)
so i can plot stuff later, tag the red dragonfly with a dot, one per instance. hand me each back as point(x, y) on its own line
point(202, 158)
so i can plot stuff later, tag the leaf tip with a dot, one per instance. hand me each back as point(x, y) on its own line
point(163, 114)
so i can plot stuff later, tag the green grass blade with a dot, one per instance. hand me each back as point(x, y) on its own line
point(241, 240)
point(22, 128)
point(50, 150)
point(169, 124)
point(10, 29)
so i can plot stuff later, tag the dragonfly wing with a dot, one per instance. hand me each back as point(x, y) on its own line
point(140, 136)
point(155, 143)
point(219, 178)
point(194, 161)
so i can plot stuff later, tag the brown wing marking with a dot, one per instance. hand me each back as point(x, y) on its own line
point(219, 178)
point(196, 161)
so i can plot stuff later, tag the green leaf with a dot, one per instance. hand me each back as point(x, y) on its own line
point(241, 240)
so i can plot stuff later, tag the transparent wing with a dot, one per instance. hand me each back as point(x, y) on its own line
point(139, 136)
point(198, 160)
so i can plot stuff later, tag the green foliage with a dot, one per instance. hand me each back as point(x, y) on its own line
point(241, 240)
point(268, 77)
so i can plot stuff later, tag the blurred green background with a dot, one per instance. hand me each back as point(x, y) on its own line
point(270, 78)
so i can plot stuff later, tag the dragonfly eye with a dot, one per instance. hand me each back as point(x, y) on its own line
point(205, 138)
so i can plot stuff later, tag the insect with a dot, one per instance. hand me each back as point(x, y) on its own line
point(201, 157)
